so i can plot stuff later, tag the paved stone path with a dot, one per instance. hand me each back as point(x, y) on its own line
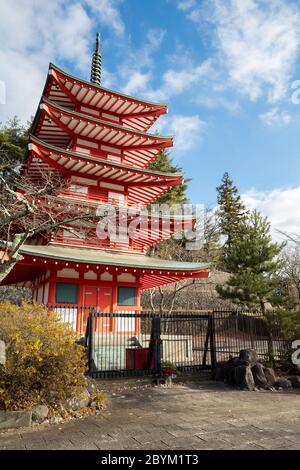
point(200, 416)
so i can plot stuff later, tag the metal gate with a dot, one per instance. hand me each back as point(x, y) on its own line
point(141, 343)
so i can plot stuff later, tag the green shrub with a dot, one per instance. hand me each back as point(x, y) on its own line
point(285, 324)
point(43, 363)
point(283, 361)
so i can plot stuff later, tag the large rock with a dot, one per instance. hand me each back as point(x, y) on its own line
point(92, 387)
point(15, 419)
point(39, 413)
point(259, 375)
point(230, 374)
point(243, 377)
point(247, 372)
point(284, 384)
point(82, 400)
point(295, 381)
point(220, 372)
point(2, 353)
point(270, 376)
point(248, 355)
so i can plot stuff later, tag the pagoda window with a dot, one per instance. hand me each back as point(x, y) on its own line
point(113, 158)
point(40, 295)
point(126, 277)
point(68, 273)
point(84, 109)
point(112, 186)
point(110, 117)
point(83, 181)
point(82, 150)
point(46, 293)
point(126, 296)
point(116, 197)
point(87, 143)
point(106, 277)
point(66, 293)
point(107, 148)
point(77, 188)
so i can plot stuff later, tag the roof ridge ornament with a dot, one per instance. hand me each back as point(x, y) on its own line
point(96, 63)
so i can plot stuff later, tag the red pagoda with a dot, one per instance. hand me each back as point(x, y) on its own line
point(97, 140)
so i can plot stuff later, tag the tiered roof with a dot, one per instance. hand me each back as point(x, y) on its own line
point(70, 92)
point(63, 127)
point(152, 272)
point(92, 134)
point(148, 231)
point(141, 186)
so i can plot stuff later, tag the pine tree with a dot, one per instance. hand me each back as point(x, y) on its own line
point(176, 249)
point(177, 194)
point(252, 258)
point(211, 247)
point(232, 211)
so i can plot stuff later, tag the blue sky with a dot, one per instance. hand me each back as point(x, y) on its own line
point(225, 69)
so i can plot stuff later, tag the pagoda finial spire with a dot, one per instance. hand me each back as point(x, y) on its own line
point(96, 63)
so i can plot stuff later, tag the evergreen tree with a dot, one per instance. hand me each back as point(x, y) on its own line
point(211, 249)
point(13, 142)
point(174, 248)
point(177, 194)
point(252, 258)
point(232, 211)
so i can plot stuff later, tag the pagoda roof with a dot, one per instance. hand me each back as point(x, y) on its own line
point(60, 126)
point(153, 271)
point(143, 186)
point(147, 230)
point(72, 92)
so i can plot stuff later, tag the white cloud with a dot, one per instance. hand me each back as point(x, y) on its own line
point(214, 101)
point(280, 205)
point(136, 68)
point(155, 37)
point(34, 32)
point(108, 14)
point(257, 42)
point(176, 81)
point(137, 82)
point(187, 130)
point(186, 4)
point(275, 118)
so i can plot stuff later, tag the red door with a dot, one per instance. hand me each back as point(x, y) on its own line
point(101, 299)
point(90, 295)
point(105, 306)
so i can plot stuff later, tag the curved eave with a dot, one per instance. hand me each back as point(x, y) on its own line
point(78, 255)
point(95, 160)
point(62, 127)
point(151, 272)
point(84, 117)
point(99, 87)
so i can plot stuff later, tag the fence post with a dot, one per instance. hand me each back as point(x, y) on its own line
point(211, 323)
point(208, 333)
point(155, 345)
point(271, 352)
point(89, 340)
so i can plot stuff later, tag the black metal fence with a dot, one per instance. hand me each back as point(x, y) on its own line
point(76, 316)
point(132, 343)
point(236, 330)
point(139, 344)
